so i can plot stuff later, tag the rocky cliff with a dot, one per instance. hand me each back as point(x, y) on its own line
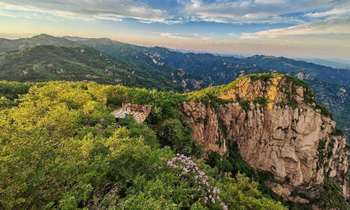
point(279, 128)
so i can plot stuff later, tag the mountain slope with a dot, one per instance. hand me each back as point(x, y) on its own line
point(140, 55)
point(336, 63)
point(43, 39)
point(43, 63)
point(213, 69)
point(286, 65)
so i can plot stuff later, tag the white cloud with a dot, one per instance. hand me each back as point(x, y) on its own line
point(222, 11)
point(184, 36)
point(270, 1)
point(115, 18)
point(254, 11)
point(331, 28)
point(114, 10)
point(332, 12)
point(233, 34)
point(180, 36)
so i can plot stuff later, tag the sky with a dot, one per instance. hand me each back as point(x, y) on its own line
point(291, 28)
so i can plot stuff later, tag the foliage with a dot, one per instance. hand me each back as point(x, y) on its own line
point(338, 132)
point(202, 185)
point(179, 136)
point(234, 164)
point(241, 193)
point(324, 110)
point(137, 130)
point(11, 90)
point(335, 98)
point(332, 196)
point(61, 149)
point(207, 96)
point(5, 103)
point(321, 149)
point(210, 95)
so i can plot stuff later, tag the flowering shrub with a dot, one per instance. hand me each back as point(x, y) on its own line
point(203, 186)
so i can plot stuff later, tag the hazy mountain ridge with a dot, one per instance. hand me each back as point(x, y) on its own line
point(286, 65)
point(42, 39)
point(334, 63)
point(82, 63)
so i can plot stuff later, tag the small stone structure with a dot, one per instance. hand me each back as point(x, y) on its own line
point(139, 112)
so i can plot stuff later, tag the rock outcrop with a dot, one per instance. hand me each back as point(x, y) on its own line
point(278, 128)
point(206, 126)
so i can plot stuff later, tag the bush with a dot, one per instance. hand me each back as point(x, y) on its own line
point(179, 136)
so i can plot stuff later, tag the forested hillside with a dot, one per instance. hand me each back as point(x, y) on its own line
point(61, 149)
point(45, 63)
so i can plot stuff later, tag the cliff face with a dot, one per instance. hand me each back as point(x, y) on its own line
point(278, 128)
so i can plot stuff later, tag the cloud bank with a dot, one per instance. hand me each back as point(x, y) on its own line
point(330, 28)
point(179, 11)
point(114, 10)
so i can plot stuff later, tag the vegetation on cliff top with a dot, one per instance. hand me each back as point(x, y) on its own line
point(211, 94)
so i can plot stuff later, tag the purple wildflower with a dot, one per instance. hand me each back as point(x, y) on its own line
point(224, 207)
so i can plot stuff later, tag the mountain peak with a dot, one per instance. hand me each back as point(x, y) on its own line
point(45, 37)
point(269, 89)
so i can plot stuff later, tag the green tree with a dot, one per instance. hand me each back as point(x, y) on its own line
point(179, 136)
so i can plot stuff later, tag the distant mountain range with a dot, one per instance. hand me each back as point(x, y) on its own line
point(335, 63)
point(111, 62)
point(43, 39)
point(83, 63)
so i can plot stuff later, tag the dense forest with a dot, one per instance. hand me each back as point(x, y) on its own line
point(60, 148)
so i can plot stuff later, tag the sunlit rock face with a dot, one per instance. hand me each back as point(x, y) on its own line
point(282, 132)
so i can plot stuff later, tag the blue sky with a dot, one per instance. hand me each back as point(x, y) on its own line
point(293, 28)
